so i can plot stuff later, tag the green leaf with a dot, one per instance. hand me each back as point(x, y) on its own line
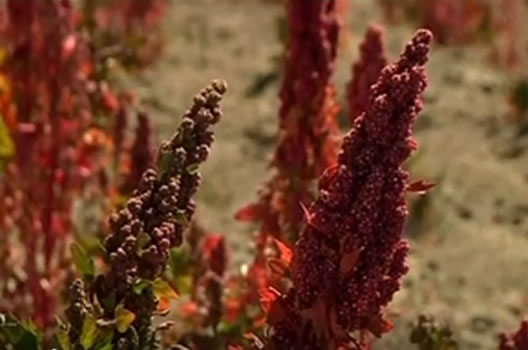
point(192, 168)
point(184, 284)
point(181, 218)
point(142, 240)
point(109, 302)
point(89, 332)
point(124, 318)
point(19, 335)
point(140, 285)
point(163, 290)
point(63, 336)
point(83, 262)
point(106, 346)
point(166, 160)
point(179, 260)
point(64, 339)
point(106, 337)
point(98, 309)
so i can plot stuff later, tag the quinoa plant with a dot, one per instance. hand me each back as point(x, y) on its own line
point(115, 308)
point(366, 70)
point(350, 257)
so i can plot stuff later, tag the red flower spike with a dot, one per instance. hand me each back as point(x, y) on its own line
point(308, 132)
point(365, 72)
point(517, 340)
point(378, 326)
point(348, 267)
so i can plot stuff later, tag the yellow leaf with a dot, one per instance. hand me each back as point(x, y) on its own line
point(64, 339)
point(7, 146)
point(89, 332)
point(3, 55)
point(163, 290)
point(63, 334)
point(4, 84)
point(184, 284)
point(124, 318)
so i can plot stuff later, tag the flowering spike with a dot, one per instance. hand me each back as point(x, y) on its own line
point(154, 209)
point(366, 70)
point(348, 265)
point(141, 154)
point(308, 132)
point(517, 340)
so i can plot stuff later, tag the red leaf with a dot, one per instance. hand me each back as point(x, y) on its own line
point(286, 254)
point(251, 212)
point(328, 176)
point(255, 341)
point(277, 266)
point(267, 296)
point(420, 187)
point(307, 215)
point(378, 325)
point(413, 144)
point(110, 101)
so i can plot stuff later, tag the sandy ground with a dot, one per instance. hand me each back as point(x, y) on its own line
point(469, 248)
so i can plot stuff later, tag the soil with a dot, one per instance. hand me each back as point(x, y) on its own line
point(469, 236)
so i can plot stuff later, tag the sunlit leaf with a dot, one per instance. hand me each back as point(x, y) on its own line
point(97, 305)
point(181, 218)
point(140, 285)
point(124, 318)
point(286, 253)
point(105, 346)
point(142, 240)
point(89, 331)
point(105, 339)
point(192, 168)
point(162, 289)
point(7, 146)
point(184, 284)
point(179, 260)
point(3, 55)
point(83, 262)
point(62, 335)
point(64, 339)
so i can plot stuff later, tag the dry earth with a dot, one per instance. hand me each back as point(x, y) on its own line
point(469, 247)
